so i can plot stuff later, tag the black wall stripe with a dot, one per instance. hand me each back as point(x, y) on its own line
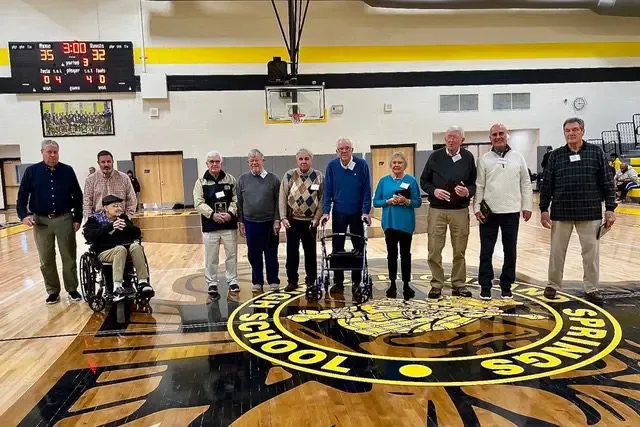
point(397, 79)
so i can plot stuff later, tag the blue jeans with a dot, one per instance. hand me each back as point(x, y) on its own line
point(262, 242)
point(339, 224)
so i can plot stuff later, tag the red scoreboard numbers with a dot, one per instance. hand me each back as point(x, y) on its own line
point(74, 47)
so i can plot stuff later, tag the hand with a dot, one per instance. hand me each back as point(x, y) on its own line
point(392, 201)
point(367, 219)
point(276, 227)
point(480, 217)
point(226, 217)
point(462, 191)
point(119, 224)
point(243, 231)
point(76, 227)
point(545, 220)
point(28, 220)
point(609, 218)
point(442, 195)
point(324, 219)
point(400, 199)
point(314, 223)
point(217, 218)
point(285, 223)
point(526, 215)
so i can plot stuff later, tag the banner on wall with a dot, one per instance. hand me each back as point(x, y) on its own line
point(77, 118)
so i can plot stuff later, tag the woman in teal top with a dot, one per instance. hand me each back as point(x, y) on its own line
point(398, 196)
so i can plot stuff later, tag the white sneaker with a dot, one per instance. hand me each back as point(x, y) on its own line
point(256, 288)
point(274, 287)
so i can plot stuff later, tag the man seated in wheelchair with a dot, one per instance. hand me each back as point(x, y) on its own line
point(114, 237)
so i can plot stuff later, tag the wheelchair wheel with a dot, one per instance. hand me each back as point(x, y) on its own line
point(97, 303)
point(88, 276)
point(314, 292)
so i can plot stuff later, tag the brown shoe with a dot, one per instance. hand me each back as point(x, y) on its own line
point(550, 292)
point(461, 292)
point(595, 297)
point(435, 293)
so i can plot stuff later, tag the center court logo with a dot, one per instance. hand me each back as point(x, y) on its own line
point(454, 341)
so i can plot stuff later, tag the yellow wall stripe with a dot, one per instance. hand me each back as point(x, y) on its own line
point(320, 54)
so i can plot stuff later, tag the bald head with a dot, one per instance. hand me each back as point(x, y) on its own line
point(499, 136)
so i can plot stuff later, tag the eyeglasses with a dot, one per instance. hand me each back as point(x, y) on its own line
point(344, 149)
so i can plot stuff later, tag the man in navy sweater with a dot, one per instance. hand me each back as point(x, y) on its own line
point(348, 188)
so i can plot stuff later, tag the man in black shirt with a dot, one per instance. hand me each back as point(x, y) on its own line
point(576, 182)
point(50, 201)
point(449, 178)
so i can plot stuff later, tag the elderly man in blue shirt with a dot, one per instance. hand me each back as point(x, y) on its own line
point(50, 201)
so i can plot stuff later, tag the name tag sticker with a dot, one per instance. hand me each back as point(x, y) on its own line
point(574, 158)
point(502, 161)
point(220, 194)
point(314, 187)
point(404, 185)
point(456, 158)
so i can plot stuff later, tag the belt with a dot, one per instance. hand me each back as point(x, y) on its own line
point(53, 215)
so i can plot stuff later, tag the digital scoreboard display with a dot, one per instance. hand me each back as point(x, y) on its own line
point(75, 66)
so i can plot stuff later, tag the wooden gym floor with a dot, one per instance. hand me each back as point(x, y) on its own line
point(275, 359)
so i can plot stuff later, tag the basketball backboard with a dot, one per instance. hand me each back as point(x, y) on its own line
point(295, 104)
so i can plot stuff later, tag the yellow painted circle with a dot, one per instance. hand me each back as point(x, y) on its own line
point(415, 371)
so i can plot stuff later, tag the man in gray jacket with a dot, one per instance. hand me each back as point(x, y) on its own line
point(259, 220)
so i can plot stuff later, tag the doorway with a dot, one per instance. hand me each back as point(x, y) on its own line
point(10, 181)
point(381, 161)
point(161, 179)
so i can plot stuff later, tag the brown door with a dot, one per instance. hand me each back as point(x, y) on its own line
point(381, 160)
point(9, 169)
point(160, 177)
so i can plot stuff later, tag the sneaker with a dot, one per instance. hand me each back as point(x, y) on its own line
point(506, 294)
point(274, 287)
point(291, 287)
point(213, 289)
point(408, 292)
point(234, 287)
point(461, 292)
point(53, 299)
point(550, 292)
point(435, 293)
point(485, 294)
point(75, 296)
point(595, 296)
point(256, 287)
point(119, 294)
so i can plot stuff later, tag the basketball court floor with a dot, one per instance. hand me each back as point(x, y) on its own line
point(275, 359)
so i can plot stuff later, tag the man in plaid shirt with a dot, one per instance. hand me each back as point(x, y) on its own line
point(576, 182)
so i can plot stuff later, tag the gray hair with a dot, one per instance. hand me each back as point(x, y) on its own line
point(255, 153)
point(399, 155)
point(347, 140)
point(577, 120)
point(46, 142)
point(455, 129)
point(214, 153)
point(304, 150)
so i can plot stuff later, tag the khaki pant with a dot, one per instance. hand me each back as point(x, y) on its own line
point(560, 236)
point(118, 257)
point(212, 240)
point(458, 222)
point(45, 232)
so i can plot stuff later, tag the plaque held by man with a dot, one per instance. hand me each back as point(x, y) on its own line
point(220, 207)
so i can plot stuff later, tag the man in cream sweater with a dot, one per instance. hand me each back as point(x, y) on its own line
point(503, 182)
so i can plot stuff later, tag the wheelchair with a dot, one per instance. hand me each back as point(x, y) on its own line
point(96, 284)
point(342, 261)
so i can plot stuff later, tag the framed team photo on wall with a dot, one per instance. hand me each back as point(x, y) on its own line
point(77, 118)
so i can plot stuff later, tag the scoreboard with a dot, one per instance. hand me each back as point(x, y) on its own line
point(74, 66)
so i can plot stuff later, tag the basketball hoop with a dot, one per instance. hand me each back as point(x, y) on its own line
point(294, 113)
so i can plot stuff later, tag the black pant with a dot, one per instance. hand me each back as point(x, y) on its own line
point(392, 238)
point(301, 231)
point(339, 224)
point(625, 187)
point(508, 224)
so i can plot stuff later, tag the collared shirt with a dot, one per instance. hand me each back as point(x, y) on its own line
point(48, 191)
point(452, 155)
point(349, 165)
point(575, 184)
point(262, 174)
point(98, 186)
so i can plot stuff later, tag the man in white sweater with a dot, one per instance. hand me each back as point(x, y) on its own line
point(504, 184)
